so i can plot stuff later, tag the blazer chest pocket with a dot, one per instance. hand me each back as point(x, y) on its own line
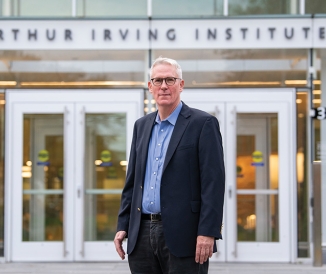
point(187, 146)
point(195, 206)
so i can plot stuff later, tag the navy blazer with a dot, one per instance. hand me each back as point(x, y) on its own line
point(192, 184)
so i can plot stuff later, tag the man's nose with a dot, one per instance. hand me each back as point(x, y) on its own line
point(164, 84)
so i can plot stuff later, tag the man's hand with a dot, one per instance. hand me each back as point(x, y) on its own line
point(119, 237)
point(204, 248)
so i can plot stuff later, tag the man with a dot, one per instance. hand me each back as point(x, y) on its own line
point(172, 203)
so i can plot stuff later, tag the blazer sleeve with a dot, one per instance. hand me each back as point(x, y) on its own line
point(127, 193)
point(212, 176)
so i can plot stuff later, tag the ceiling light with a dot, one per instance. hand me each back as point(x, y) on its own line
point(316, 101)
point(8, 83)
point(238, 83)
point(300, 82)
point(86, 83)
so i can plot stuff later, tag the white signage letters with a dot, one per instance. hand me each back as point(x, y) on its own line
point(163, 34)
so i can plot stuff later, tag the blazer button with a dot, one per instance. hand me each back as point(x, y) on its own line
point(138, 209)
point(141, 186)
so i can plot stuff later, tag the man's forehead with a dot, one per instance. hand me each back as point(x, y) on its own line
point(164, 67)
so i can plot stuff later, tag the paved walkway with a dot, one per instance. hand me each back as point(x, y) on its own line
point(122, 268)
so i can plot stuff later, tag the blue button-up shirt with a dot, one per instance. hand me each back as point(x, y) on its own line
point(158, 145)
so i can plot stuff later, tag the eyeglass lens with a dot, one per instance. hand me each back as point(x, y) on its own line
point(169, 81)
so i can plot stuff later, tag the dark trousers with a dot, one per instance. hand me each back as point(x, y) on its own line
point(152, 256)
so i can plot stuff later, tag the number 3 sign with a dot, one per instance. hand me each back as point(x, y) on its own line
point(318, 113)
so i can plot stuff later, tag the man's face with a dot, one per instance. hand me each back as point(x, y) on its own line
point(164, 95)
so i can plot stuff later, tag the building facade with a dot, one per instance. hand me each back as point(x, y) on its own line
point(73, 79)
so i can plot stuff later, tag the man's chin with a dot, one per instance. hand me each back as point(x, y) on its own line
point(163, 103)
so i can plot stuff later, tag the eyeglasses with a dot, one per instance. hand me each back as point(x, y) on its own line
point(169, 81)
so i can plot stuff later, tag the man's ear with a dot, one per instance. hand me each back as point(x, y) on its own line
point(149, 84)
point(182, 84)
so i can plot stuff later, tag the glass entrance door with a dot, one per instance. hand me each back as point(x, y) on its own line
point(258, 133)
point(101, 162)
point(259, 193)
point(68, 157)
point(257, 180)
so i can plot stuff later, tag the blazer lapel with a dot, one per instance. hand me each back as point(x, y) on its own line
point(145, 143)
point(179, 128)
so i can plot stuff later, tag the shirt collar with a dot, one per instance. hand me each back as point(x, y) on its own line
point(172, 119)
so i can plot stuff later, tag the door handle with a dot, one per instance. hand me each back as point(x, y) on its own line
point(82, 112)
point(79, 196)
point(217, 114)
point(217, 254)
point(79, 192)
point(234, 252)
point(234, 115)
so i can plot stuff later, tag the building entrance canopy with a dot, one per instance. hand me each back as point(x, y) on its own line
point(250, 33)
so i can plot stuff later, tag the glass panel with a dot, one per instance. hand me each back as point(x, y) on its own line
point(245, 171)
point(217, 68)
point(315, 6)
point(257, 152)
point(76, 68)
point(186, 8)
point(42, 174)
point(42, 8)
point(105, 172)
point(43, 217)
point(302, 175)
point(257, 174)
point(258, 218)
point(113, 8)
point(2, 128)
point(251, 7)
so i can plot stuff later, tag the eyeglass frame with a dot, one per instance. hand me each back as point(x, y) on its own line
point(164, 80)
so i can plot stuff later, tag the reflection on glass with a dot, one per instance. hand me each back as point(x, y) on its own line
point(43, 217)
point(42, 175)
point(41, 8)
point(250, 7)
point(258, 218)
point(302, 170)
point(242, 66)
point(186, 8)
point(53, 68)
point(257, 175)
point(105, 171)
point(122, 8)
point(245, 171)
point(315, 6)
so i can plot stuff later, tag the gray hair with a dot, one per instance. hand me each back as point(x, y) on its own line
point(163, 60)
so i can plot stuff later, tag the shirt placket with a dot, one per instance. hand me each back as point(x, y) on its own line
point(157, 162)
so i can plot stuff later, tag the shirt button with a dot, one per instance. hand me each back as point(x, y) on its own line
point(154, 173)
point(159, 144)
point(152, 187)
point(156, 159)
point(152, 203)
point(162, 130)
